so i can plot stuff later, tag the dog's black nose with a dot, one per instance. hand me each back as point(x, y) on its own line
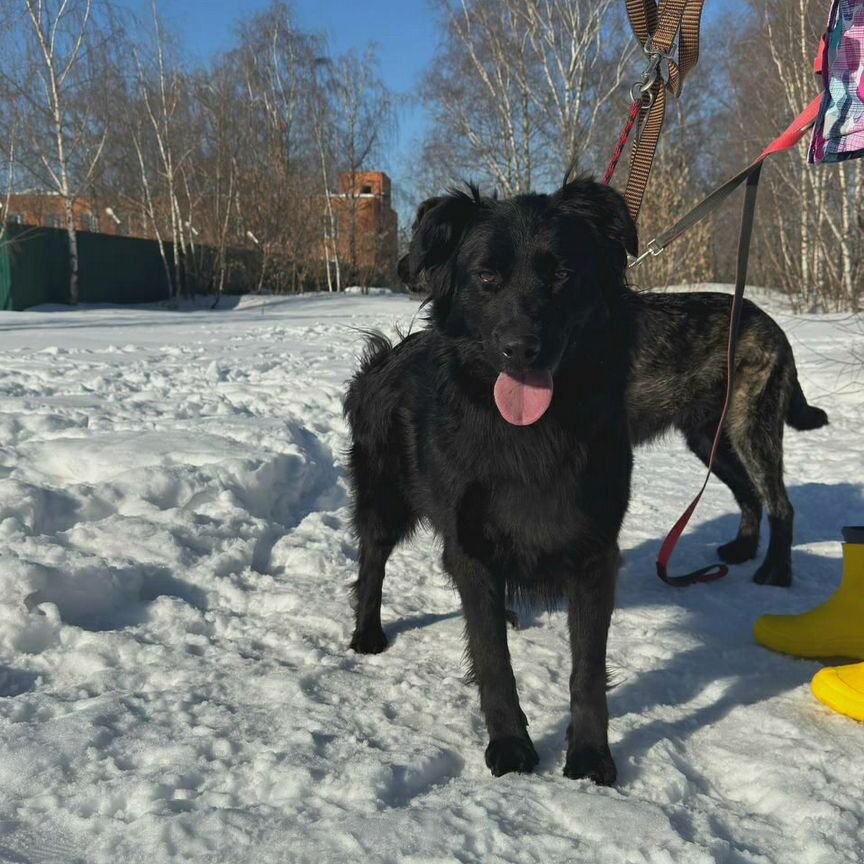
point(521, 350)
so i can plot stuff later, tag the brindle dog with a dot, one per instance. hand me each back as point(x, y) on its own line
point(678, 380)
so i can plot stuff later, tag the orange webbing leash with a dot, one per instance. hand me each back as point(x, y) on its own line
point(655, 29)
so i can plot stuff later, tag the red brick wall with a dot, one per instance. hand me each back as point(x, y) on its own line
point(47, 211)
point(375, 183)
point(367, 203)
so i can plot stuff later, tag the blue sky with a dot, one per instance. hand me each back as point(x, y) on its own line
point(403, 31)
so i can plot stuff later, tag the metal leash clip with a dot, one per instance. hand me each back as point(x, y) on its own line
point(657, 69)
point(653, 249)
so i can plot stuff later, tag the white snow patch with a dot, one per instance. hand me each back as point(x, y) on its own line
point(175, 557)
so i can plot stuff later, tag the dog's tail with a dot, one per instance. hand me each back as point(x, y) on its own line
point(801, 414)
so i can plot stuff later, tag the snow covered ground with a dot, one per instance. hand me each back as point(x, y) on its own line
point(174, 681)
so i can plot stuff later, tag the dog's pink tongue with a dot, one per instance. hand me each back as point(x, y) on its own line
point(524, 400)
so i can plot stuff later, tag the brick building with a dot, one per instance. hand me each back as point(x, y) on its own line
point(366, 222)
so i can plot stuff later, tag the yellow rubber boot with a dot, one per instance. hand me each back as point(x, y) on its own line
point(834, 629)
point(841, 688)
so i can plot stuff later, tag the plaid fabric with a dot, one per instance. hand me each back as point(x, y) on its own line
point(839, 131)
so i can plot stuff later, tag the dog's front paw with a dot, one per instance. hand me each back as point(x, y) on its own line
point(594, 763)
point(369, 641)
point(505, 755)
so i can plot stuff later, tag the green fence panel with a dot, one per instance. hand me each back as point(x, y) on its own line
point(39, 266)
point(34, 268)
point(121, 269)
point(5, 276)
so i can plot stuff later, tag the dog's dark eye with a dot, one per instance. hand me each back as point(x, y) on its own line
point(561, 275)
point(487, 278)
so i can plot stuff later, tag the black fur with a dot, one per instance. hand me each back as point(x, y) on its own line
point(530, 510)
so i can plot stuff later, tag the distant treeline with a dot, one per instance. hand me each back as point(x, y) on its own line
point(243, 152)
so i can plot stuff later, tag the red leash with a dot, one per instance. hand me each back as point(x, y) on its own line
point(635, 108)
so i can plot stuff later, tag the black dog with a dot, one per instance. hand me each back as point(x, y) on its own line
point(678, 379)
point(457, 425)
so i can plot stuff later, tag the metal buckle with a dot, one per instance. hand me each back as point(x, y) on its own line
point(652, 249)
point(657, 68)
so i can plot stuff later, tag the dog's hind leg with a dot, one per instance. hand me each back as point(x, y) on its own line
point(776, 569)
point(758, 441)
point(369, 635)
point(382, 517)
point(727, 467)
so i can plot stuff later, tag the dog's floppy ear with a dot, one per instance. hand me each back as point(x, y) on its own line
point(438, 229)
point(403, 267)
point(606, 209)
point(402, 270)
point(423, 209)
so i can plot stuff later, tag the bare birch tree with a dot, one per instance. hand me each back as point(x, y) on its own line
point(521, 86)
point(275, 61)
point(9, 126)
point(224, 136)
point(364, 118)
point(148, 202)
point(162, 89)
point(9, 172)
point(51, 59)
point(322, 126)
point(673, 190)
